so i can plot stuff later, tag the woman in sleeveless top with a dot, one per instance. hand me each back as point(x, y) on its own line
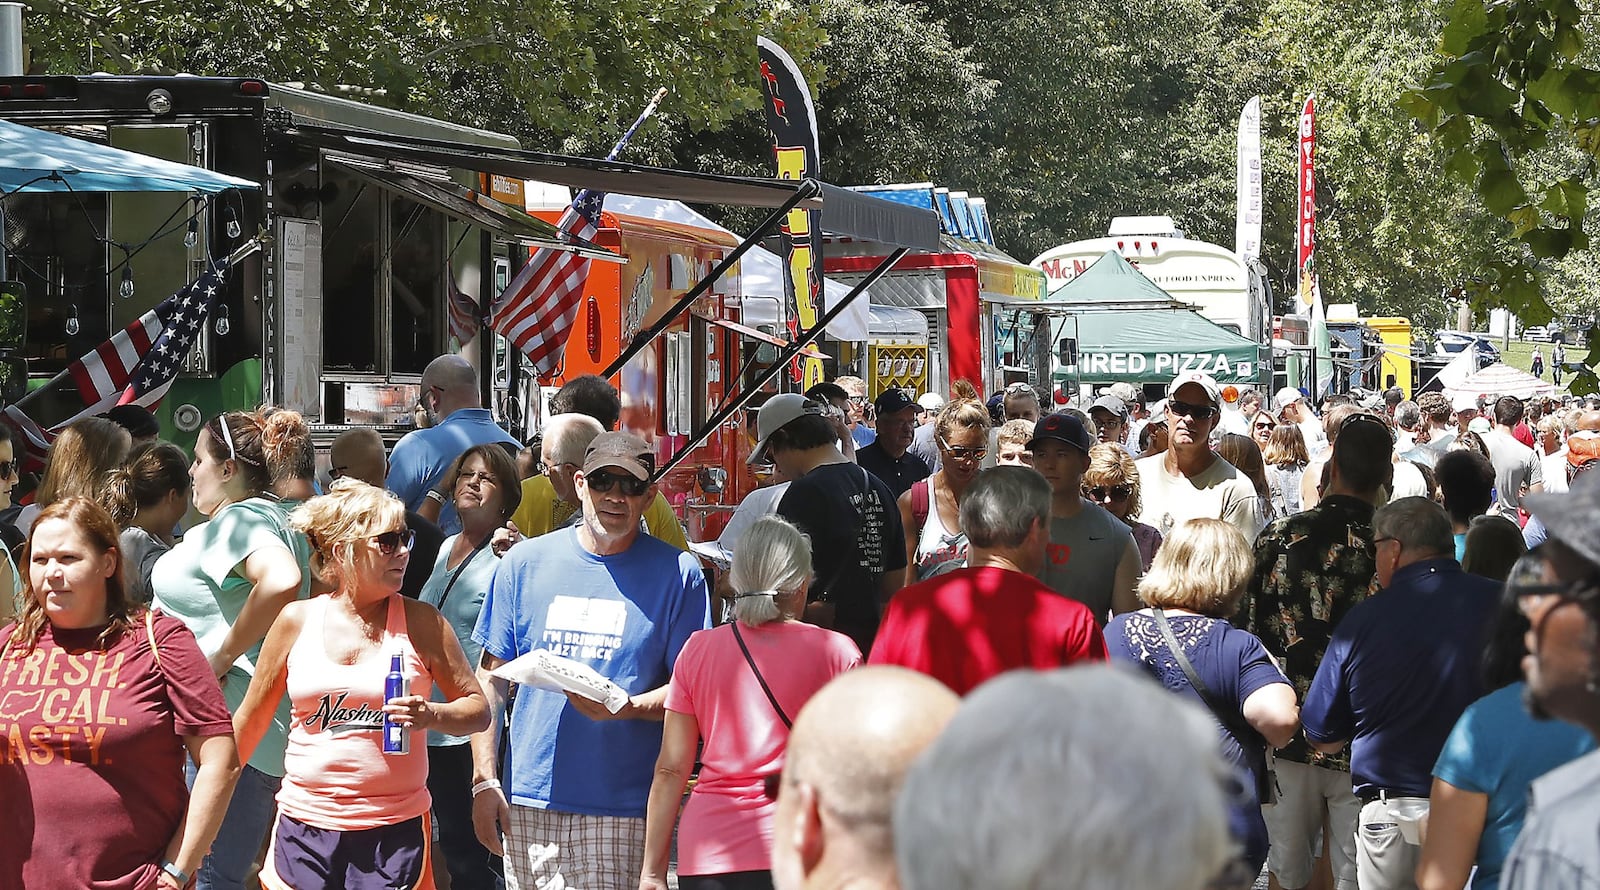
point(1286, 458)
point(348, 807)
point(930, 510)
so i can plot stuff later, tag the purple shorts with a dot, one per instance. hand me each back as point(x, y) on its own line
point(390, 857)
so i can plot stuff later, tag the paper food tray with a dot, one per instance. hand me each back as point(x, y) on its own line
point(543, 669)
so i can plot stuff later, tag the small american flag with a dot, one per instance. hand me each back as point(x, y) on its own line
point(171, 329)
point(537, 309)
point(464, 319)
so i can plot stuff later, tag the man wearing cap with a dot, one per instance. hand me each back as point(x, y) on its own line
point(1393, 691)
point(572, 806)
point(1110, 416)
point(889, 456)
point(1188, 480)
point(1293, 408)
point(1091, 556)
point(1465, 406)
point(858, 559)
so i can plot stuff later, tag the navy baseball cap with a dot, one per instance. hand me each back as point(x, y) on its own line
point(1062, 428)
point(893, 399)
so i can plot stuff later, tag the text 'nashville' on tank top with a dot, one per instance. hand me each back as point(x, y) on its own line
point(336, 774)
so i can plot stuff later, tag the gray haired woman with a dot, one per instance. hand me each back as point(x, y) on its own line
point(737, 687)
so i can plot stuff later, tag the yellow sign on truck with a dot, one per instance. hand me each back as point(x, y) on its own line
point(1396, 367)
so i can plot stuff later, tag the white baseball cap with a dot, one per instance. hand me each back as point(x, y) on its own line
point(1288, 396)
point(1200, 379)
point(930, 401)
point(1464, 402)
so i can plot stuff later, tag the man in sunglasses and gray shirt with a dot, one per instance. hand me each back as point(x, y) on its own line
point(1188, 480)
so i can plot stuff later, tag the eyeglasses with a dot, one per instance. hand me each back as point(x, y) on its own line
point(1377, 541)
point(603, 481)
point(389, 542)
point(1363, 417)
point(1184, 409)
point(1020, 388)
point(962, 453)
point(8, 469)
point(1116, 493)
point(1267, 424)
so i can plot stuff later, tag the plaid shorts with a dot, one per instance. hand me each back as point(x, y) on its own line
point(547, 849)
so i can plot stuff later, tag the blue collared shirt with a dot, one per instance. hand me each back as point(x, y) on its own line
point(1399, 670)
point(420, 459)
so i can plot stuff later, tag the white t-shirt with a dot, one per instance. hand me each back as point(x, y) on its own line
point(1408, 482)
point(1219, 491)
point(1555, 471)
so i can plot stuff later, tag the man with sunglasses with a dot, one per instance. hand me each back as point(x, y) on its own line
point(1556, 847)
point(1310, 570)
point(1400, 669)
point(572, 806)
point(421, 458)
point(1188, 480)
point(889, 456)
point(1091, 556)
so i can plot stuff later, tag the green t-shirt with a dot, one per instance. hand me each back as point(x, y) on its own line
point(200, 582)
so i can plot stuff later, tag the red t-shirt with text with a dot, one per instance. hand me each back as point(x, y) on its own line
point(91, 753)
point(966, 626)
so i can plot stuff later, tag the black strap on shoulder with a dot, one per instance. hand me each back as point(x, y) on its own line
point(1229, 717)
point(462, 568)
point(759, 679)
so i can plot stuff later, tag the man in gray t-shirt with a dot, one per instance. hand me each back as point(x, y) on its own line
point(1517, 468)
point(1091, 556)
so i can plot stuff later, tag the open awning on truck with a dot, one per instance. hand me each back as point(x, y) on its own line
point(844, 212)
point(41, 161)
point(432, 188)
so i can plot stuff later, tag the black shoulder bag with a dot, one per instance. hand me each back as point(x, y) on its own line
point(759, 679)
point(1231, 720)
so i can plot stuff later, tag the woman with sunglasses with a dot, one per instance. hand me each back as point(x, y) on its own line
point(227, 580)
point(351, 805)
point(1261, 427)
point(930, 511)
point(1112, 482)
point(485, 491)
point(736, 688)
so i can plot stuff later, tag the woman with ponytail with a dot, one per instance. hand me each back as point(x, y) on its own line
point(737, 687)
point(147, 497)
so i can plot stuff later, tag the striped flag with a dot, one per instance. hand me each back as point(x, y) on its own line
point(464, 320)
point(135, 367)
point(537, 309)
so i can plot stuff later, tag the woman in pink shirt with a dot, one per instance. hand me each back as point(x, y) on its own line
point(737, 687)
point(351, 814)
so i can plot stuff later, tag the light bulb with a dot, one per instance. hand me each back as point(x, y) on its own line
point(126, 288)
point(72, 322)
point(192, 236)
point(222, 325)
point(232, 220)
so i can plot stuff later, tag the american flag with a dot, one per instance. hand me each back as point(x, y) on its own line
point(135, 367)
point(537, 308)
point(464, 320)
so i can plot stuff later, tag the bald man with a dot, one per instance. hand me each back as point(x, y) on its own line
point(847, 757)
point(419, 461)
point(358, 454)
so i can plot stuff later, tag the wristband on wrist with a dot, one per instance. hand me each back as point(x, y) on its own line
point(174, 872)
point(436, 496)
point(485, 785)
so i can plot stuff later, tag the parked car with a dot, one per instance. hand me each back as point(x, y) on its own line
point(1452, 342)
point(1538, 334)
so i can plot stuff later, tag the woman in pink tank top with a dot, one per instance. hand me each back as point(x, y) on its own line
point(353, 811)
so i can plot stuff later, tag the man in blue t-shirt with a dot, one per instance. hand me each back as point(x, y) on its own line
point(420, 459)
point(1400, 669)
point(612, 597)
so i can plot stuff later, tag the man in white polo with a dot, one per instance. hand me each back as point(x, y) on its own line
point(1188, 480)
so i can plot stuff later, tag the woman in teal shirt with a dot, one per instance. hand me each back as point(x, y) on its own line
point(485, 491)
point(1495, 751)
point(227, 580)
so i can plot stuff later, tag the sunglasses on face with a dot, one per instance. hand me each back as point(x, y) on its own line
point(8, 469)
point(389, 542)
point(1116, 493)
point(603, 481)
point(1184, 409)
point(962, 453)
point(1265, 424)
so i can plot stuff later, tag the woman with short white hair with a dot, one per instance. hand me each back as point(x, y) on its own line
point(736, 687)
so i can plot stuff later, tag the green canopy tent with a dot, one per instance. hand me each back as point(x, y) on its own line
point(1130, 330)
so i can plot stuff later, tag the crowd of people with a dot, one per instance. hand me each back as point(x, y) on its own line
point(948, 643)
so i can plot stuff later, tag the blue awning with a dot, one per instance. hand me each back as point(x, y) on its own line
point(41, 161)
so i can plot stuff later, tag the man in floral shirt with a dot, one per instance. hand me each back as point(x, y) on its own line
point(1311, 568)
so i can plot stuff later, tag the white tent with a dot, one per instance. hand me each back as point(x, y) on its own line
point(760, 271)
point(1501, 379)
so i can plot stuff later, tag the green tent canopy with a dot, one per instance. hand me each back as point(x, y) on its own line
point(1154, 345)
point(1111, 279)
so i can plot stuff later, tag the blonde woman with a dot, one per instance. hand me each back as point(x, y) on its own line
point(1197, 579)
point(1112, 481)
point(736, 688)
point(930, 511)
point(350, 806)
